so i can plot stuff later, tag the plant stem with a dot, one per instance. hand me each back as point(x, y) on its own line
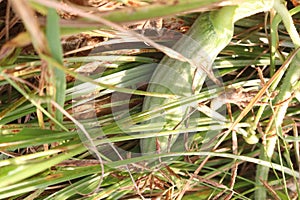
point(283, 99)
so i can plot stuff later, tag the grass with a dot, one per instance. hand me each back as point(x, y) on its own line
point(71, 120)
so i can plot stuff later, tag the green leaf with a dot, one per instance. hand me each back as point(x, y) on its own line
point(59, 79)
point(32, 137)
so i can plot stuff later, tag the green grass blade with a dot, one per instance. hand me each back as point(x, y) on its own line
point(59, 78)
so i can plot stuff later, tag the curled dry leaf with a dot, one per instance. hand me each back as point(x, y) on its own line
point(21, 40)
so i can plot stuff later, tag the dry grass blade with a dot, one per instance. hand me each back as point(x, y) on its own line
point(92, 146)
point(271, 190)
point(46, 162)
point(31, 23)
point(168, 51)
point(234, 169)
point(258, 96)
